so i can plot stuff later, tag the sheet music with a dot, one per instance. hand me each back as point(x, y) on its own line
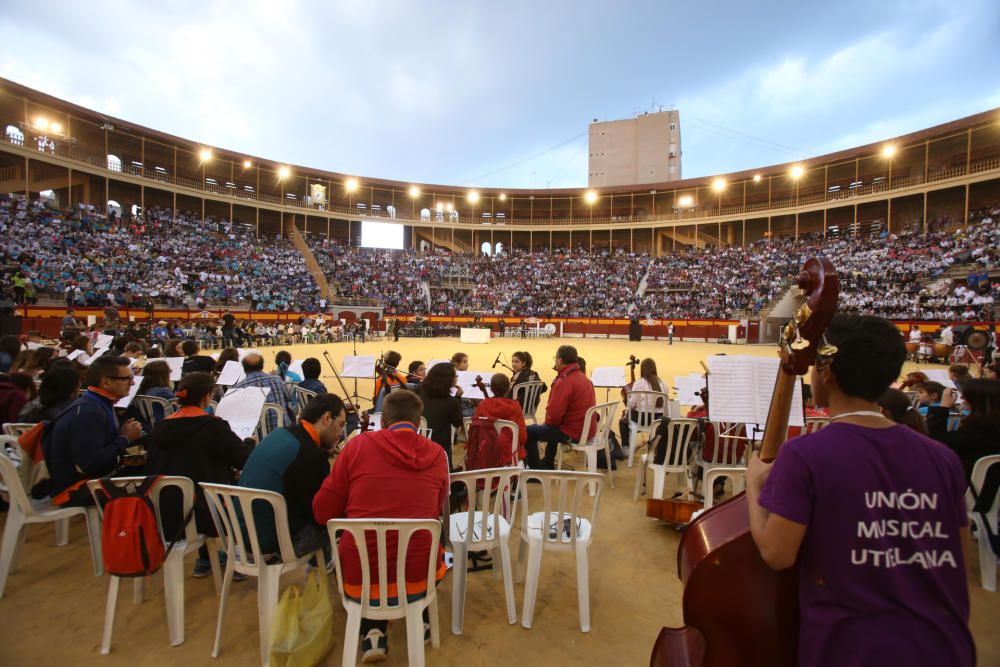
point(608, 376)
point(242, 408)
point(296, 367)
point(687, 389)
point(362, 366)
point(76, 354)
point(740, 389)
point(232, 373)
point(467, 379)
point(175, 363)
point(939, 375)
point(105, 340)
point(126, 401)
point(434, 362)
point(245, 351)
point(91, 320)
point(33, 346)
point(86, 361)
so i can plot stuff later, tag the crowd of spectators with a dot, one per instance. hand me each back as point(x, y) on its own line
point(87, 258)
point(92, 259)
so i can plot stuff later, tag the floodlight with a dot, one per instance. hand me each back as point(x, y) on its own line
point(41, 123)
point(205, 154)
point(889, 150)
point(351, 184)
point(719, 185)
point(414, 191)
point(473, 196)
point(283, 172)
point(797, 171)
point(247, 164)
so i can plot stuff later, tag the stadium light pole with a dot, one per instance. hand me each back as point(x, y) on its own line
point(719, 185)
point(888, 152)
point(796, 174)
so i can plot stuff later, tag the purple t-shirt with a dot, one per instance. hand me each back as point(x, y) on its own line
point(881, 574)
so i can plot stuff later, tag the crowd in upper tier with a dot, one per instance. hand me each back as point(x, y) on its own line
point(88, 258)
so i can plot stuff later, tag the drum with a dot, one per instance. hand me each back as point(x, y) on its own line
point(911, 348)
point(942, 350)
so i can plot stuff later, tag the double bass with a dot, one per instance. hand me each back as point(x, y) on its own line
point(632, 363)
point(737, 610)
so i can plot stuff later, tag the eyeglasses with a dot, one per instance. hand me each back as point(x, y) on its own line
point(121, 377)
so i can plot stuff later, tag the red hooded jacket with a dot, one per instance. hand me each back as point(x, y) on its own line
point(387, 474)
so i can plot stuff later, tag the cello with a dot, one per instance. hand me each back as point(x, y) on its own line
point(632, 363)
point(737, 610)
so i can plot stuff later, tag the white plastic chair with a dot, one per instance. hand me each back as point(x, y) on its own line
point(302, 397)
point(604, 416)
point(561, 491)
point(173, 565)
point(738, 474)
point(725, 447)
point(381, 606)
point(656, 403)
point(490, 519)
point(262, 428)
point(24, 511)
point(988, 560)
point(16, 430)
point(228, 505)
point(527, 393)
point(144, 404)
point(680, 435)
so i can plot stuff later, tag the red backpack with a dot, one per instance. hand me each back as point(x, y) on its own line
point(484, 448)
point(130, 536)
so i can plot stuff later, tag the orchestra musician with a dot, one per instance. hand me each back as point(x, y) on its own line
point(572, 395)
point(520, 363)
point(388, 376)
point(648, 381)
point(833, 500)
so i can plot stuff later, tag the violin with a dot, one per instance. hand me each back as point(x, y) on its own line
point(632, 363)
point(365, 421)
point(482, 387)
point(737, 610)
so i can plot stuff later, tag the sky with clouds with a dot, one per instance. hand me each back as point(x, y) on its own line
point(500, 94)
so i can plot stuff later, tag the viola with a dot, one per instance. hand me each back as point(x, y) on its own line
point(632, 363)
point(737, 610)
point(482, 387)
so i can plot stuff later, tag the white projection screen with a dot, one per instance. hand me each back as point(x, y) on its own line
point(381, 235)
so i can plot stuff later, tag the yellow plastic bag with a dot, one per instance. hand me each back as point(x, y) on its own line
point(302, 629)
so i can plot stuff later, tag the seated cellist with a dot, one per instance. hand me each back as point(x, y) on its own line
point(874, 514)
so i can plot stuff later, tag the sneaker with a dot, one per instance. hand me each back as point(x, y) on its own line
point(203, 568)
point(374, 646)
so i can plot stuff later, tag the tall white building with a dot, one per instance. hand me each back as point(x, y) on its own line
point(644, 149)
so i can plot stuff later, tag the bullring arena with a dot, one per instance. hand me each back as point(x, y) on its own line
point(195, 232)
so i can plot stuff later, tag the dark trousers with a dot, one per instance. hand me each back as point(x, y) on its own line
point(368, 624)
point(552, 437)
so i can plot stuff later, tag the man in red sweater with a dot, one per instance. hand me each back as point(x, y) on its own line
point(396, 457)
point(572, 395)
point(498, 407)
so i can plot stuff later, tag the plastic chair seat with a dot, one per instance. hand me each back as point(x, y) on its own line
point(537, 520)
point(459, 525)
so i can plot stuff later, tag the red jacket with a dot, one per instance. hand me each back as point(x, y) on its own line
point(387, 474)
point(572, 395)
point(505, 408)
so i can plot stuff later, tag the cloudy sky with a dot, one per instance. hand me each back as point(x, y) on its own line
point(500, 94)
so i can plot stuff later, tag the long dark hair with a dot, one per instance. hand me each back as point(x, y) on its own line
point(525, 359)
point(983, 398)
point(647, 370)
point(439, 380)
point(897, 406)
point(155, 374)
